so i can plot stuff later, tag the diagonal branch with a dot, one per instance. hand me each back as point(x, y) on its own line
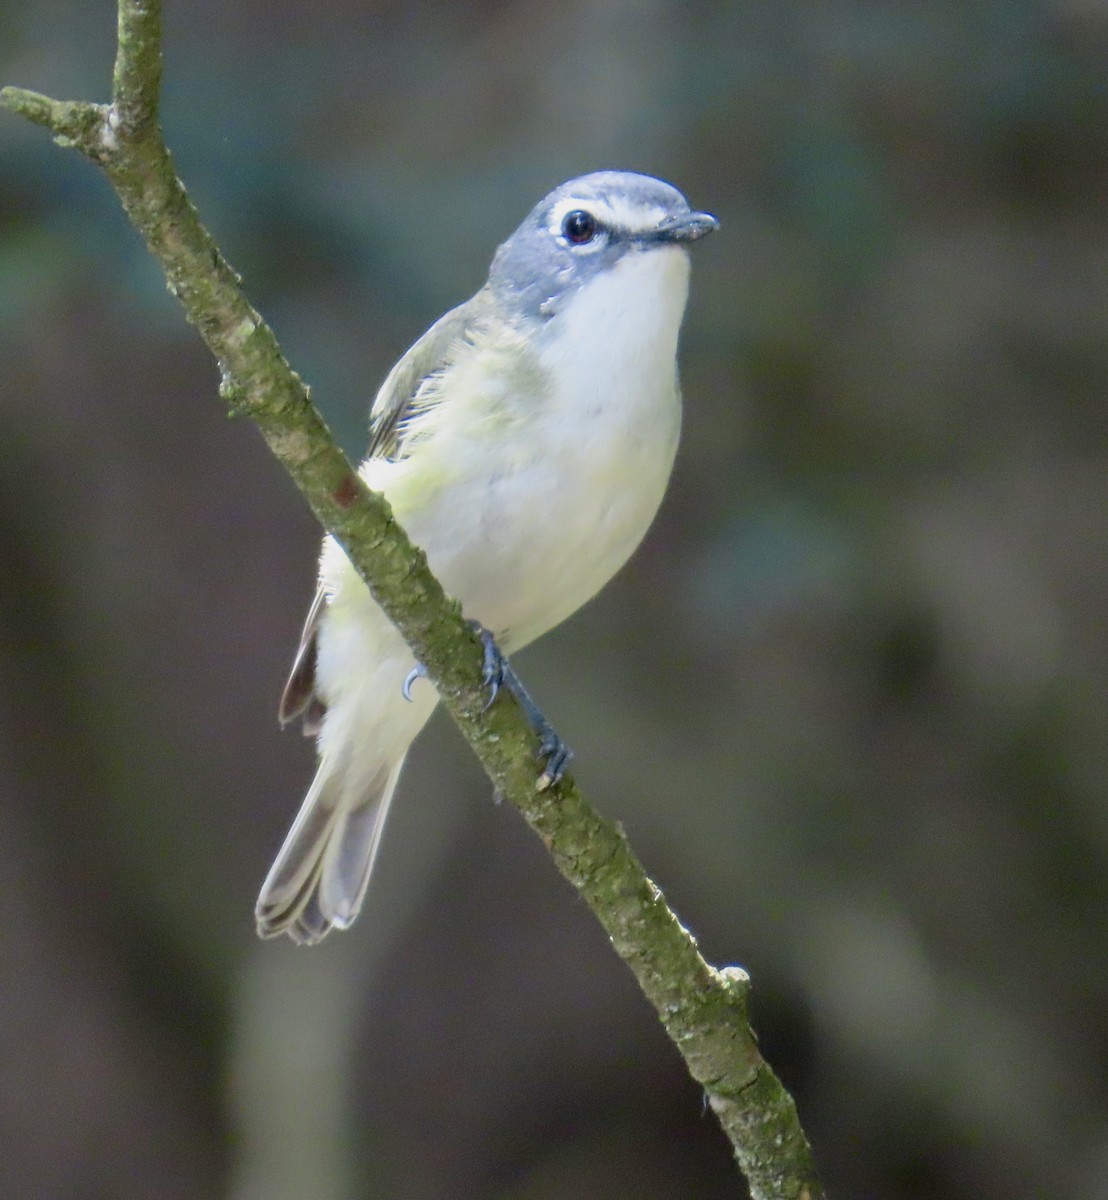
point(704, 1010)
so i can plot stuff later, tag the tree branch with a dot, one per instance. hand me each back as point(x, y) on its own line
point(703, 1010)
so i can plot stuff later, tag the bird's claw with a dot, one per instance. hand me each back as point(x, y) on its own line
point(419, 671)
point(557, 756)
point(494, 668)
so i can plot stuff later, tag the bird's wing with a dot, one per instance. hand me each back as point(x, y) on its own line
point(386, 428)
point(299, 698)
point(398, 393)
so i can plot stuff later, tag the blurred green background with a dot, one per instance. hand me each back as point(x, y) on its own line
point(848, 700)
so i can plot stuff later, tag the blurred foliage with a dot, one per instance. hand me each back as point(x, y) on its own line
point(849, 699)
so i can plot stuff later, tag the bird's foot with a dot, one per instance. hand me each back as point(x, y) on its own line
point(497, 672)
point(552, 751)
point(494, 668)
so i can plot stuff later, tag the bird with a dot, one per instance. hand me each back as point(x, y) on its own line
point(524, 442)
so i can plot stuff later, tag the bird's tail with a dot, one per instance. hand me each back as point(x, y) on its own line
point(319, 878)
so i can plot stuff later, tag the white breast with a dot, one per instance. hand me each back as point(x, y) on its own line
point(540, 515)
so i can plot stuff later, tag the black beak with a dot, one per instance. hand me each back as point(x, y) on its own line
point(687, 227)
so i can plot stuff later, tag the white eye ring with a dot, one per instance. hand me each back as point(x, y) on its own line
point(590, 208)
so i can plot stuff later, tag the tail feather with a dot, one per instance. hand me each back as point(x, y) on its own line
point(321, 873)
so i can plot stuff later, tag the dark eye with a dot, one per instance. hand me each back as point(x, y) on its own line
point(579, 227)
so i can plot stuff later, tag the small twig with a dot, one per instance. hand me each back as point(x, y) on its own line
point(703, 1010)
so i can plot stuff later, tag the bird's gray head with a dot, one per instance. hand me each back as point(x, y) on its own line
point(584, 228)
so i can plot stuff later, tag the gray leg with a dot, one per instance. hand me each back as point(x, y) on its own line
point(498, 673)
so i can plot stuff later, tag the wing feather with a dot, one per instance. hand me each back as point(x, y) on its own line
point(394, 403)
point(299, 697)
point(397, 396)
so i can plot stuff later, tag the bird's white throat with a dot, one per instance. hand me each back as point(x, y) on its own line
point(611, 352)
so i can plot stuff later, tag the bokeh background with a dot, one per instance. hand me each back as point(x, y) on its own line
point(848, 700)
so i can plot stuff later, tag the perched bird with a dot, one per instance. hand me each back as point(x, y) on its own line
point(525, 443)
